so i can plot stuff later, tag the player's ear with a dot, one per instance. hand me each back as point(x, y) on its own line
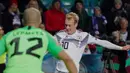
point(76, 24)
point(39, 22)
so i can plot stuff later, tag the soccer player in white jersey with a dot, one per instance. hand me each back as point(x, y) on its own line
point(74, 42)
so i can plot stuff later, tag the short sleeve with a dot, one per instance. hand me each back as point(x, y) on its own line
point(53, 47)
point(2, 45)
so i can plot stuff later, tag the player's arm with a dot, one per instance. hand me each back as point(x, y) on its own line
point(2, 45)
point(68, 62)
point(57, 51)
point(106, 44)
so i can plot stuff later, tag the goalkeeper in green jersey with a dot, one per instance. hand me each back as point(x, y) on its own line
point(27, 46)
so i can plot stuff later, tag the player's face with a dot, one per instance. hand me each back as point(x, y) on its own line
point(70, 26)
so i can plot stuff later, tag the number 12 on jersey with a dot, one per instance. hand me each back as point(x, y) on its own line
point(29, 50)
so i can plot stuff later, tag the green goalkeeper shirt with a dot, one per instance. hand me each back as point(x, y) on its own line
point(26, 48)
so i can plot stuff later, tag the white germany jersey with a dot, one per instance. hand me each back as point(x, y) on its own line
point(74, 45)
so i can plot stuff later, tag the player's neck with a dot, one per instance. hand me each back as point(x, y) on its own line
point(72, 33)
point(34, 25)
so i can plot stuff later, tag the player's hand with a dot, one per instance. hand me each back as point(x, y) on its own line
point(127, 47)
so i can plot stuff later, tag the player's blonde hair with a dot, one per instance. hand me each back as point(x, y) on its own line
point(32, 16)
point(71, 16)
